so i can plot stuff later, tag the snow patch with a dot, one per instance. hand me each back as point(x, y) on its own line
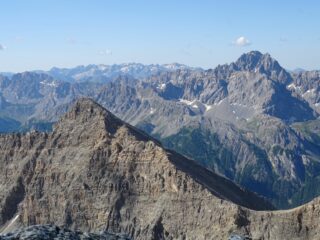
point(192, 103)
point(50, 84)
point(221, 101)
point(238, 104)
point(102, 67)
point(196, 104)
point(292, 86)
point(208, 107)
point(11, 222)
point(189, 103)
point(310, 91)
point(186, 101)
point(162, 86)
point(152, 111)
point(173, 66)
point(125, 69)
point(85, 74)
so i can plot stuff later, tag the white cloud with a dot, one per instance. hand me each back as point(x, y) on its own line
point(106, 52)
point(242, 42)
point(2, 47)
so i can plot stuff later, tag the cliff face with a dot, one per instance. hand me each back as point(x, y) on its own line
point(94, 172)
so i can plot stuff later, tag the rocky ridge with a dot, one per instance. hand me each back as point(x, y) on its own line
point(96, 173)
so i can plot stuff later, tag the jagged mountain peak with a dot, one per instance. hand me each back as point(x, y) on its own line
point(253, 54)
point(90, 116)
point(88, 119)
point(86, 106)
point(255, 61)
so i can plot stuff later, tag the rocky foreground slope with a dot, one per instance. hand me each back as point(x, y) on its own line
point(51, 232)
point(94, 172)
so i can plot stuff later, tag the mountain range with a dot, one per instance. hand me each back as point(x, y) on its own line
point(104, 73)
point(250, 121)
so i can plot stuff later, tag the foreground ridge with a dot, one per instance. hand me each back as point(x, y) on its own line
point(97, 173)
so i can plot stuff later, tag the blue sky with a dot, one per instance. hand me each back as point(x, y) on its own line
point(45, 33)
